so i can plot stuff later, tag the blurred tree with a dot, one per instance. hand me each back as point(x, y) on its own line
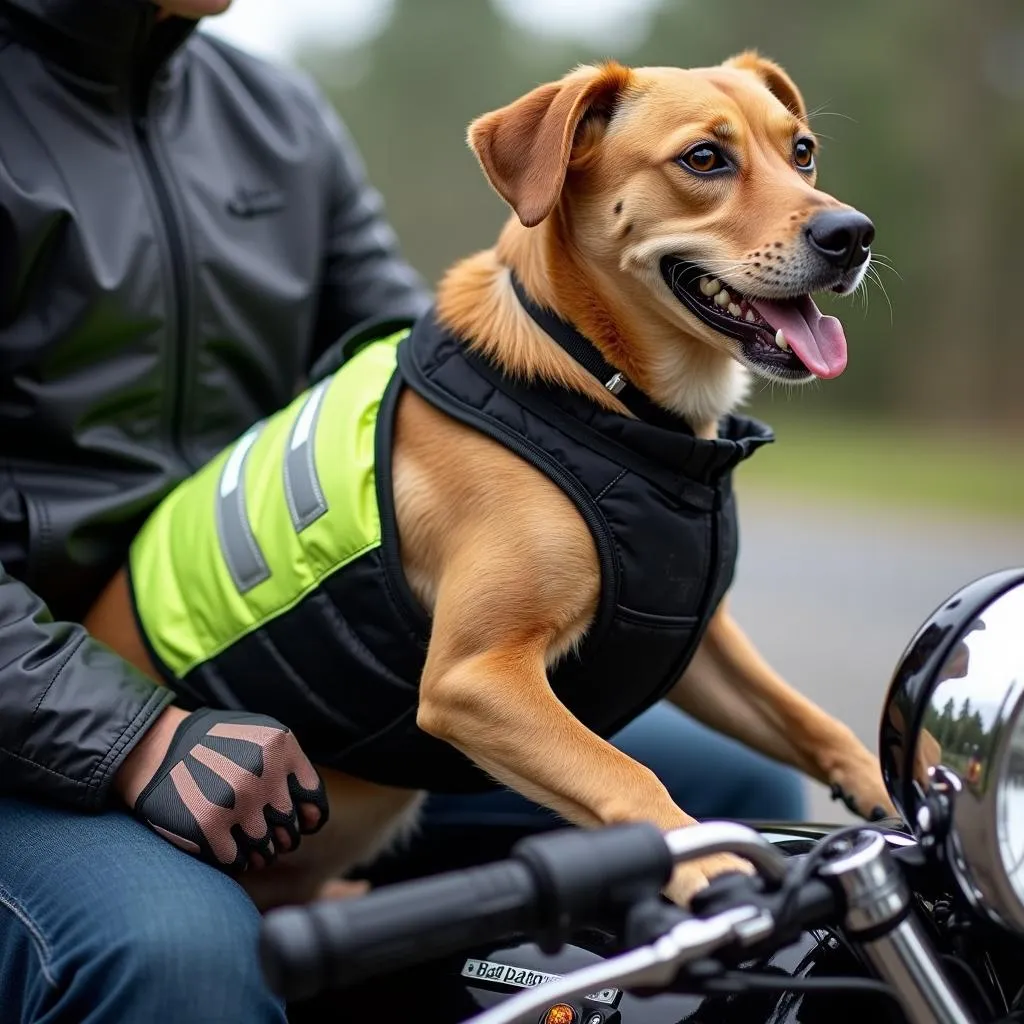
point(436, 67)
point(920, 110)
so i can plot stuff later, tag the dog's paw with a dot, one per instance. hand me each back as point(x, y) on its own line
point(343, 889)
point(688, 879)
point(856, 780)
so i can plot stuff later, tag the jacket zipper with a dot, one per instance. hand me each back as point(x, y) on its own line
point(178, 300)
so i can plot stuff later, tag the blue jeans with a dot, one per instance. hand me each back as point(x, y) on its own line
point(102, 921)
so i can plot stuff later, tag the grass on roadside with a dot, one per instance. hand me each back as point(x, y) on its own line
point(872, 462)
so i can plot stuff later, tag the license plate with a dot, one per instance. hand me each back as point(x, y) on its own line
point(523, 977)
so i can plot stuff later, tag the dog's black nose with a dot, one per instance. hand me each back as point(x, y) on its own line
point(843, 237)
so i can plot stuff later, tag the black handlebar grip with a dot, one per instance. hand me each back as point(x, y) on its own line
point(332, 943)
point(584, 875)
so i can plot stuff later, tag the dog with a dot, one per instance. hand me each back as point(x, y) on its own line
point(669, 221)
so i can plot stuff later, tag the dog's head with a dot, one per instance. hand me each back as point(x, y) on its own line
point(691, 193)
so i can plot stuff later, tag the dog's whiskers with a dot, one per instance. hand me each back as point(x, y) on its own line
point(822, 112)
point(876, 277)
point(714, 268)
point(721, 269)
point(884, 261)
point(676, 272)
point(862, 293)
point(721, 266)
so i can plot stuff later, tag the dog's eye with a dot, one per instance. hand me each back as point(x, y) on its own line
point(703, 159)
point(803, 154)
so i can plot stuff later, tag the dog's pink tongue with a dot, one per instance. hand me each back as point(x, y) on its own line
point(818, 340)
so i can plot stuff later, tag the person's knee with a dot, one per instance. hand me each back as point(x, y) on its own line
point(105, 921)
point(189, 960)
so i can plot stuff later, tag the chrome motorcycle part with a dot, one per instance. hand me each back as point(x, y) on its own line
point(952, 742)
point(879, 918)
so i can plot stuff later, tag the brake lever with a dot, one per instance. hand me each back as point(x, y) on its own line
point(651, 966)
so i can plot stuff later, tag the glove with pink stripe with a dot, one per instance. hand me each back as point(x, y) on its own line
point(229, 783)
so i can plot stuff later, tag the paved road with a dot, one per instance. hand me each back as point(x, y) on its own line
point(832, 595)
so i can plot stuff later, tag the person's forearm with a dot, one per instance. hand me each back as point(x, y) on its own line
point(70, 709)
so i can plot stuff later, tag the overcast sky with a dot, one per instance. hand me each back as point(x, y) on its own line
point(274, 27)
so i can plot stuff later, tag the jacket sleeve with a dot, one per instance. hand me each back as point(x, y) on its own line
point(70, 709)
point(364, 274)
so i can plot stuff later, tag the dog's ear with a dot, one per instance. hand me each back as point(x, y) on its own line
point(778, 83)
point(524, 148)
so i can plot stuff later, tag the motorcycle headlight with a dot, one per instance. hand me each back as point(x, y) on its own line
point(952, 742)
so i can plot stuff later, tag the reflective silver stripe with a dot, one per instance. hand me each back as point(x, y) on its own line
point(302, 490)
point(238, 544)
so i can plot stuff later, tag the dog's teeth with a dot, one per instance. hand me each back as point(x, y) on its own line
point(751, 316)
point(723, 298)
point(734, 309)
point(709, 286)
point(780, 340)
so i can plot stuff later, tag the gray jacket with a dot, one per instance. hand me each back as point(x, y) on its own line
point(184, 229)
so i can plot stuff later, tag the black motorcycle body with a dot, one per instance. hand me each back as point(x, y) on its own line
point(452, 989)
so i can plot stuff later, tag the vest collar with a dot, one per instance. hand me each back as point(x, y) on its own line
point(433, 362)
point(587, 354)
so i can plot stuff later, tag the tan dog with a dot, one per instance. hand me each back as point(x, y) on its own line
point(673, 217)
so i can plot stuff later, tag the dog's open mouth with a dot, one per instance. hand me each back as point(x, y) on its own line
point(787, 339)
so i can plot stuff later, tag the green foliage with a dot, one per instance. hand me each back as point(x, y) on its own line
point(867, 461)
point(959, 734)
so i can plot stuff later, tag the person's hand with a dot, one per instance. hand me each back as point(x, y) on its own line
point(230, 787)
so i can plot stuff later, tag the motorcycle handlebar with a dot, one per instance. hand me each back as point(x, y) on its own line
point(811, 903)
point(552, 885)
point(737, 918)
point(333, 943)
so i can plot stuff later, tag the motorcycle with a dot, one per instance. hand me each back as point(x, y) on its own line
point(917, 920)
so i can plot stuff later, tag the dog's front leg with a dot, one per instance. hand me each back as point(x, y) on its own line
point(730, 687)
point(517, 585)
point(498, 709)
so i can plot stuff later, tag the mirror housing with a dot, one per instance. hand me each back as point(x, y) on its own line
point(951, 742)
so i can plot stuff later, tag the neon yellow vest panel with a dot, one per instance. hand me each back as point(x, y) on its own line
point(266, 521)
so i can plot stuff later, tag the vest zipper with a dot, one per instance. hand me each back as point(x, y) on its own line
point(178, 301)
